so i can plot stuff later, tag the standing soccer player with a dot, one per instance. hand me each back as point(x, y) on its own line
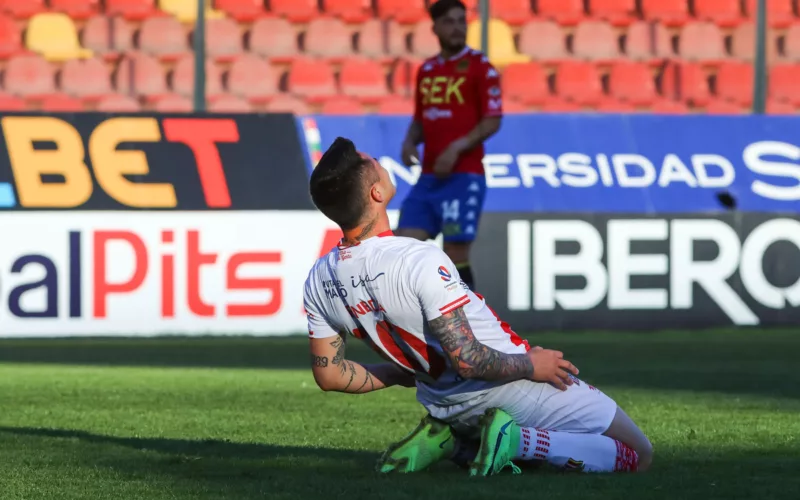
point(458, 107)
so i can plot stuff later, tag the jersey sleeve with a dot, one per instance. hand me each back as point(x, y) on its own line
point(437, 285)
point(489, 90)
point(318, 327)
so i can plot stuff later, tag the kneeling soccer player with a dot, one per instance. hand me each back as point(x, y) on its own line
point(491, 398)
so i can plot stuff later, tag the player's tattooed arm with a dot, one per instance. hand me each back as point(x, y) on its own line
point(471, 358)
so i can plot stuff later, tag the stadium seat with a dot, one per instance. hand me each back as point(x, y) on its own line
point(311, 79)
point(118, 104)
point(424, 43)
point(380, 40)
point(186, 10)
point(579, 82)
point(559, 105)
point(107, 37)
point(402, 11)
point(396, 105)
point(564, 12)
point(230, 104)
point(10, 37)
point(275, 39)
point(174, 104)
point(140, 74)
point(60, 103)
point(783, 80)
point(616, 12)
point(525, 83)
point(780, 108)
point(502, 51)
point(251, 78)
point(163, 37)
point(242, 11)
point(725, 13)
point(693, 84)
point(403, 77)
point(792, 43)
point(614, 106)
point(511, 106)
point(29, 75)
point(295, 11)
point(132, 10)
point(223, 39)
point(10, 102)
point(328, 38)
point(363, 79)
point(88, 79)
point(648, 42)
point(780, 13)
point(54, 35)
point(349, 11)
point(669, 12)
point(543, 41)
point(702, 41)
point(513, 12)
point(76, 9)
point(183, 78)
point(23, 9)
point(669, 107)
point(595, 41)
point(722, 107)
point(342, 106)
point(743, 43)
point(288, 104)
point(735, 83)
point(632, 82)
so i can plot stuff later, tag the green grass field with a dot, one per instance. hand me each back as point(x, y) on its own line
point(241, 418)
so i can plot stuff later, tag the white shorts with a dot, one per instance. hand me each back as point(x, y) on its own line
point(580, 409)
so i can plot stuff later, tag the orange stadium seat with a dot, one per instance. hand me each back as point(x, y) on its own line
point(230, 104)
point(29, 75)
point(725, 13)
point(118, 104)
point(514, 12)
point(23, 9)
point(402, 11)
point(669, 12)
point(743, 43)
point(648, 42)
point(61, 103)
point(76, 9)
point(132, 10)
point(243, 11)
point(559, 105)
point(349, 11)
point(342, 106)
point(502, 50)
point(275, 39)
point(669, 107)
point(363, 79)
point(735, 82)
point(783, 80)
point(54, 35)
point(579, 82)
point(288, 104)
point(511, 106)
point(296, 11)
point(525, 83)
point(328, 38)
point(140, 74)
point(614, 106)
point(10, 37)
point(163, 37)
point(223, 39)
point(174, 104)
point(10, 102)
point(722, 107)
point(424, 43)
point(396, 105)
point(632, 82)
point(616, 12)
point(565, 12)
point(780, 13)
point(693, 84)
point(251, 78)
point(780, 108)
point(88, 79)
point(311, 79)
point(792, 43)
point(106, 36)
point(543, 41)
point(702, 41)
point(186, 10)
point(595, 41)
point(403, 77)
point(380, 40)
point(183, 78)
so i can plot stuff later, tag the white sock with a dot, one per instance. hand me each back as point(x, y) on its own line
point(586, 452)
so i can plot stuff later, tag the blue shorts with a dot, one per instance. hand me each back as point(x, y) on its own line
point(450, 206)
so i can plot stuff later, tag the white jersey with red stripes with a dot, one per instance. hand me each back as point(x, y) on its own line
point(384, 291)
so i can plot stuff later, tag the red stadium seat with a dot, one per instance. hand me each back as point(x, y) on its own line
point(669, 107)
point(296, 11)
point(725, 13)
point(230, 104)
point(780, 13)
point(23, 9)
point(76, 9)
point(328, 38)
point(614, 106)
point(311, 79)
point(349, 11)
point(107, 37)
point(174, 104)
point(783, 80)
point(61, 103)
point(616, 12)
point(288, 104)
point(118, 104)
point(669, 12)
point(525, 83)
point(780, 108)
point(88, 79)
point(141, 75)
point(564, 12)
point(701, 41)
point(403, 77)
point(424, 43)
point(648, 42)
point(396, 105)
point(363, 79)
point(735, 83)
point(722, 107)
point(29, 75)
point(132, 10)
point(693, 82)
point(743, 43)
point(402, 11)
point(579, 82)
point(253, 79)
point(163, 37)
point(543, 41)
point(342, 106)
point(633, 83)
point(558, 105)
point(183, 78)
point(223, 39)
point(10, 37)
point(595, 41)
point(513, 12)
point(10, 102)
point(243, 11)
point(275, 39)
point(792, 43)
point(511, 106)
point(381, 40)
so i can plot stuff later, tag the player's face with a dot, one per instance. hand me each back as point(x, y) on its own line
point(451, 29)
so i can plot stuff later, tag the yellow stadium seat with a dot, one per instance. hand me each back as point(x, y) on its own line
point(53, 34)
point(186, 10)
point(502, 51)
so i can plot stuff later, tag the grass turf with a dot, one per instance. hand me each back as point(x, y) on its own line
point(241, 418)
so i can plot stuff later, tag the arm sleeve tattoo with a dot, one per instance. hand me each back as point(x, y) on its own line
point(471, 358)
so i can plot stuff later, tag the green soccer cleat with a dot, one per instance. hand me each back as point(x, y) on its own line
point(432, 441)
point(499, 441)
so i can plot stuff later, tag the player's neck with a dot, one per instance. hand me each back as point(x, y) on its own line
point(447, 54)
point(375, 226)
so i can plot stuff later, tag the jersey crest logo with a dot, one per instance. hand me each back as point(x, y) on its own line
point(462, 66)
point(444, 274)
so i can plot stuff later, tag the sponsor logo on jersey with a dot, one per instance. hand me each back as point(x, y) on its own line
point(445, 274)
point(434, 114)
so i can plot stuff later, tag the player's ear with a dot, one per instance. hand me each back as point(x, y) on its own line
point(376, 193)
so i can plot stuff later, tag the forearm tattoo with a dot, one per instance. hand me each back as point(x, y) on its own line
point(473, 359)
point(348, 370)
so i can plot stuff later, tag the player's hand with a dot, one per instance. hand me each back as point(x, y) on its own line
point(410, 154)
point(550, 367)
point(446, 161)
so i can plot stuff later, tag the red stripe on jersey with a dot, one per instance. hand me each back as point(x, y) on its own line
point(452, 306)
point(436, 363)
point(515, 339)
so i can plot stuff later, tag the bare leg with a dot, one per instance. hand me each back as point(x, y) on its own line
point(623, 429)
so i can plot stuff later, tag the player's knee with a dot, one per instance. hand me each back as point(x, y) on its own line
point(644, 450)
